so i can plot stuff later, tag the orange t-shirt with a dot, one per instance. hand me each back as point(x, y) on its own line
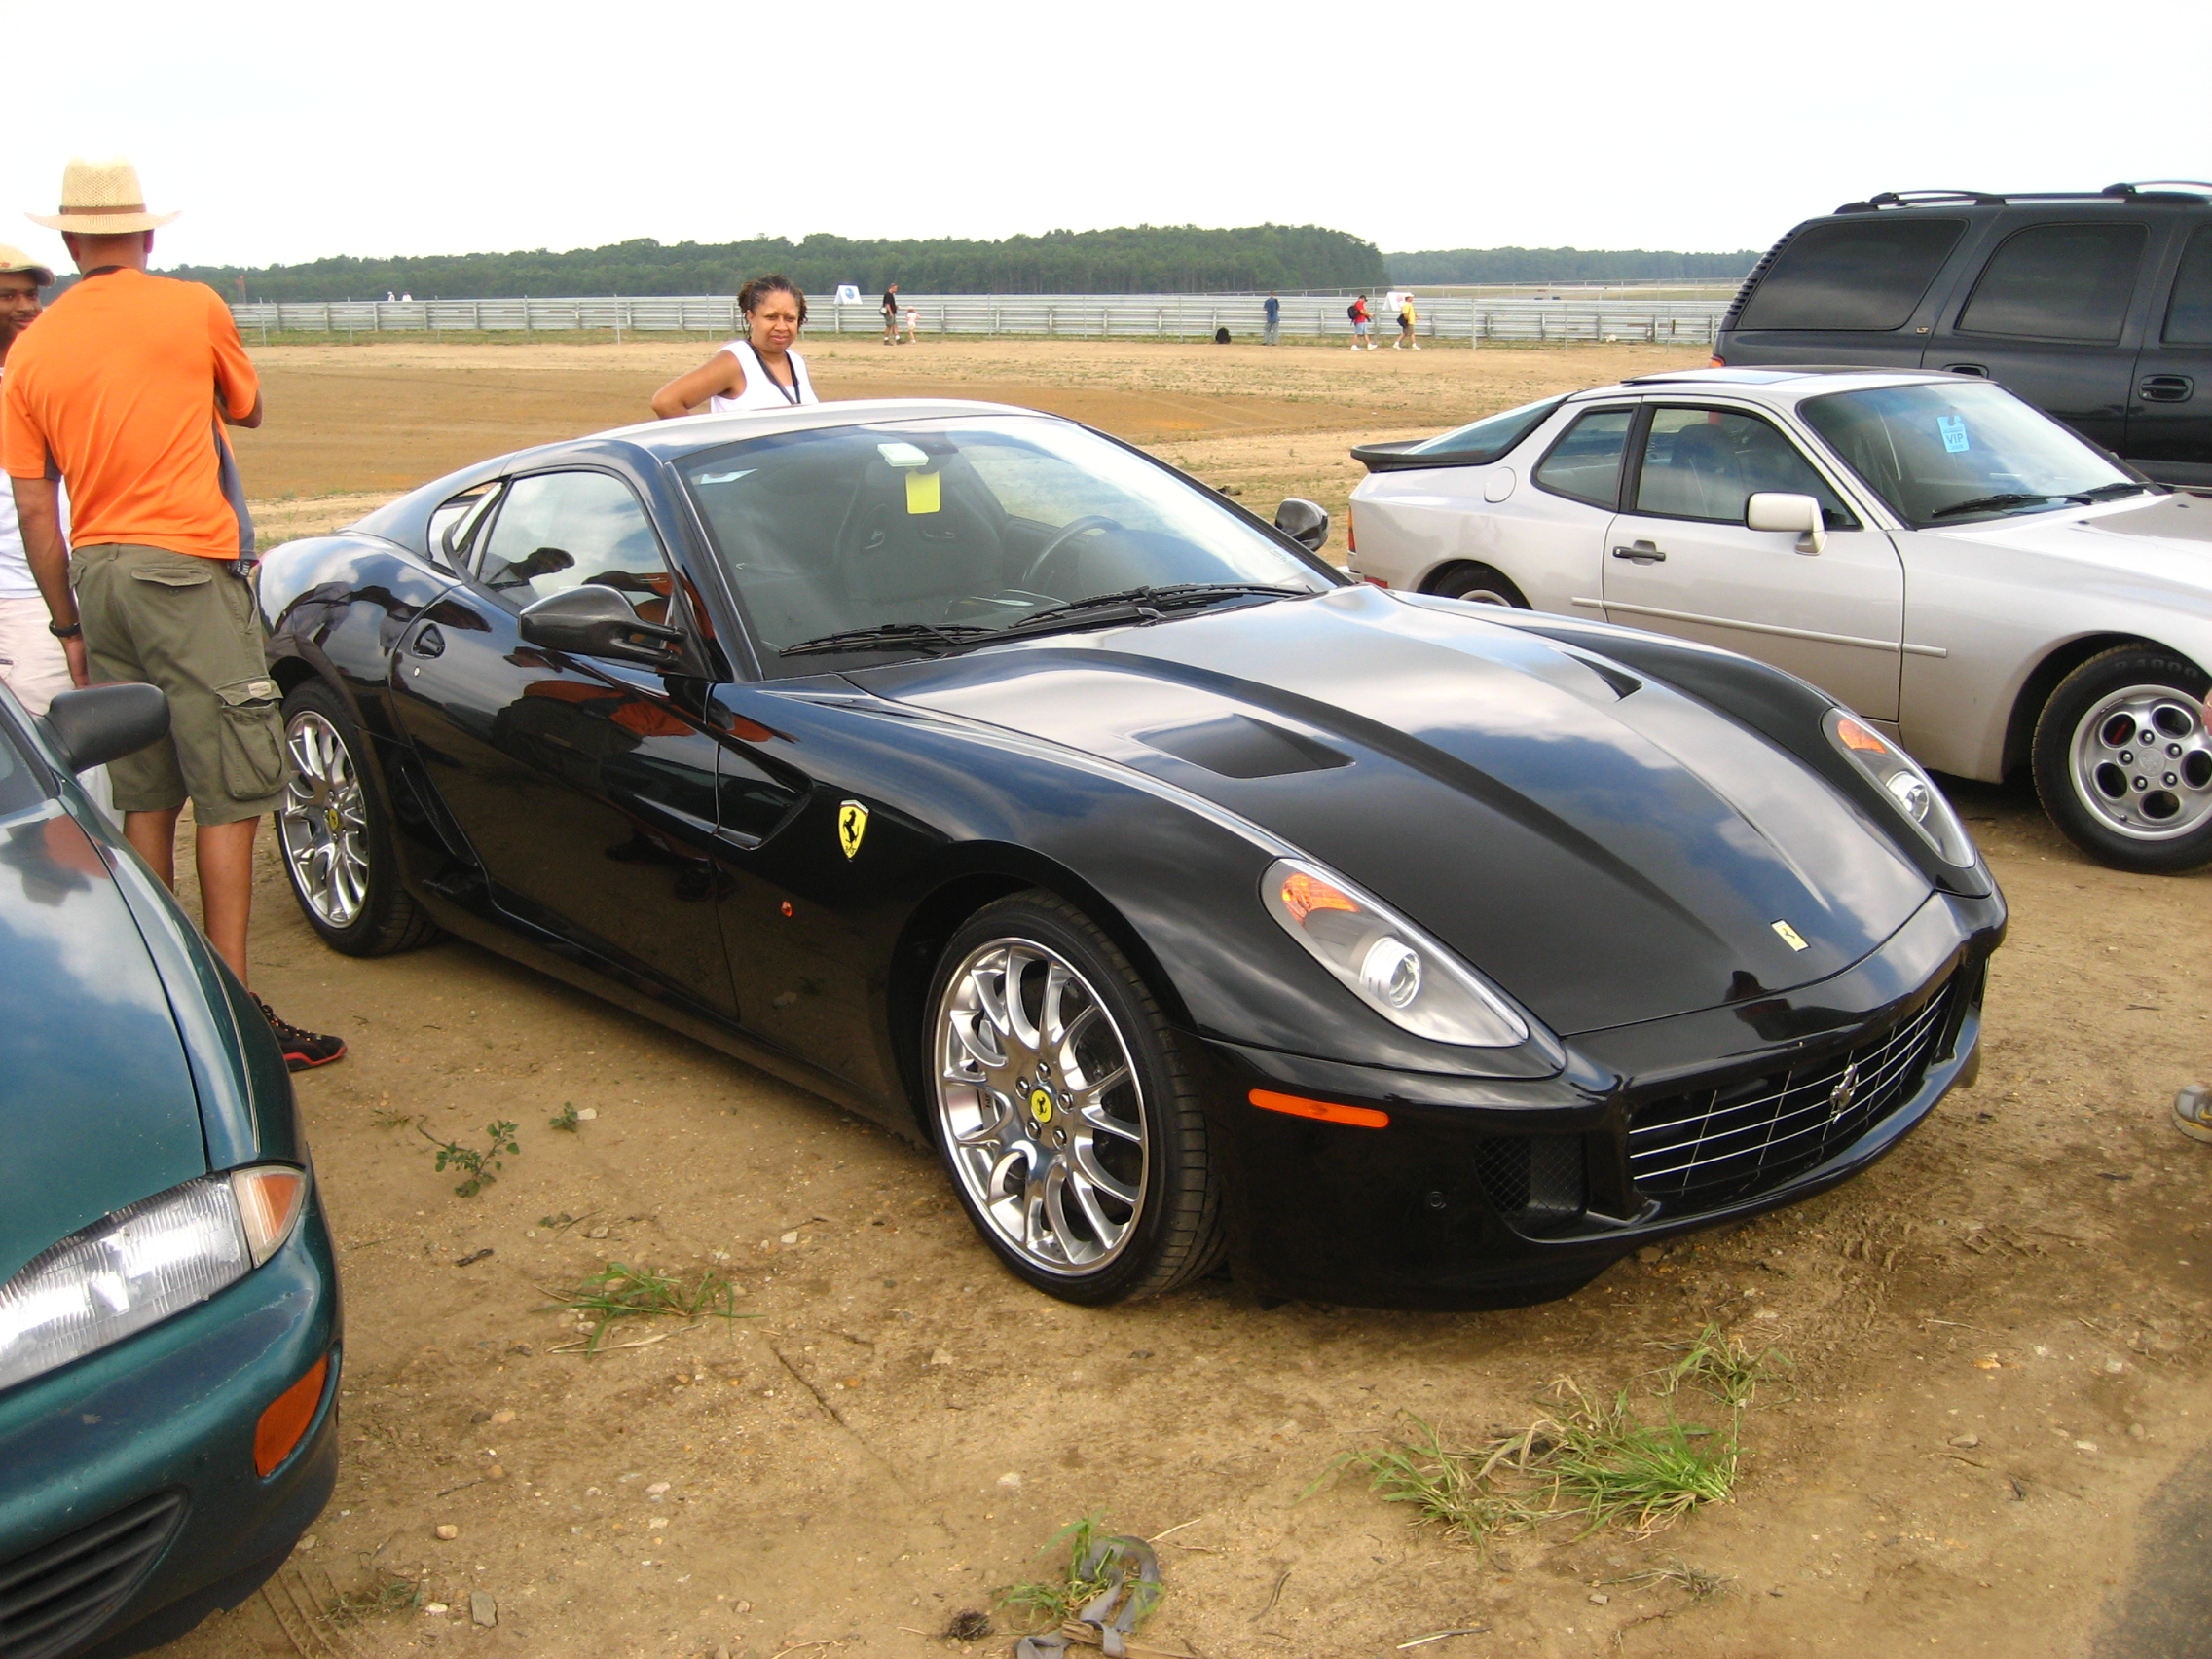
point(116, 389)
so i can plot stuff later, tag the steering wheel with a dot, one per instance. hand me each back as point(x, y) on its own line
point(1030, 578)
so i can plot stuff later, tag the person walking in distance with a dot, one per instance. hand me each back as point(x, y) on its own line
point(1407, 318)
point(33, 662)
point(761, 371)
point(1272, 334)
point(117, 393)
point(1358, 312)
point(891, 315)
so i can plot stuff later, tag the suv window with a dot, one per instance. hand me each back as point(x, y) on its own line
point(559, 530)
point(1585, 465)
point(1706, 463)
point(1857, 275)
point(2189, 316)
point(2058, 282)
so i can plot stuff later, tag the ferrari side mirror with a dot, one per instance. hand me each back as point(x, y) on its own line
point(597, 621)
point(1784, 510)
point(105, 723)
point(1305, 522)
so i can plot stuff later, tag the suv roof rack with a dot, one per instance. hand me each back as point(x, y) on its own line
point(2141, 190)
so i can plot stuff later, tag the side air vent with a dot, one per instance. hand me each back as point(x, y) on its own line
point(1236, 745)
point(54, 1598)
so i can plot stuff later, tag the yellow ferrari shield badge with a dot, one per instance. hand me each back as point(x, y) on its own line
point(1040, 1105)
point(1789, 935)
point(852, 824)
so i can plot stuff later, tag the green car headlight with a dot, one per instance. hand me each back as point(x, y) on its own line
point(1911, 790)
point(138, 1264)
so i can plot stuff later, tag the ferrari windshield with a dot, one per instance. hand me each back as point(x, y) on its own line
point(950, 528)
point(1956, 451)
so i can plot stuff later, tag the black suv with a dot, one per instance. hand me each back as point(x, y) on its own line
point(2094, 308)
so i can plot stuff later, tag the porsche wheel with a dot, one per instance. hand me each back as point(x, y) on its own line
point(1065, 1107)
point(2124, 761)
point(1479, 584)
point(335, 834)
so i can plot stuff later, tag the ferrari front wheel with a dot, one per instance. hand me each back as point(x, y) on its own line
point(335, 834)
point(1066, 1107)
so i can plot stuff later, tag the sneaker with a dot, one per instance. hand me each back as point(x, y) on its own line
point(303, 1049)
point(2193, 1112)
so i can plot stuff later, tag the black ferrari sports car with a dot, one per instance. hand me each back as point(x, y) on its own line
point(980, 773)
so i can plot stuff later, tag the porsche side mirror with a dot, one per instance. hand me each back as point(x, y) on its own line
point(597, 621)
point(105, 723)
point(1782, 510)
point(1305, 522)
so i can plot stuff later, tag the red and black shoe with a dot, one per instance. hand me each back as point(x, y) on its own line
point(303, 1049)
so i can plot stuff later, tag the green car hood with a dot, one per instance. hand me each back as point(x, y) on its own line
point(97, 1107)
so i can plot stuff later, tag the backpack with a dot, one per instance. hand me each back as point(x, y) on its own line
point(1353, 311)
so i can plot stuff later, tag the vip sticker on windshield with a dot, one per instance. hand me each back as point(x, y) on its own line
point(1954, 431)
point(852, 824)
point(922, 492)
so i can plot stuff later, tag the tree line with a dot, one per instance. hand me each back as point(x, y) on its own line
point(1134, 259)
point(1565, 264)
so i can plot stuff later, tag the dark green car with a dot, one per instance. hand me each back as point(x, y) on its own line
point(168, 1304)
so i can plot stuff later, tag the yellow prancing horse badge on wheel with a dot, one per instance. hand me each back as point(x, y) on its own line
point(852, 824)
point(1041, 1105)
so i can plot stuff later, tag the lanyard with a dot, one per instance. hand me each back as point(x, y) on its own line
point(791, 391)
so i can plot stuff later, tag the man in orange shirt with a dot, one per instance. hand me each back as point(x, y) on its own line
point(118, 393)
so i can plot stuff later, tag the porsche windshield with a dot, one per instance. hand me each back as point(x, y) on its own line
point(1958, 452)
point(949, 528)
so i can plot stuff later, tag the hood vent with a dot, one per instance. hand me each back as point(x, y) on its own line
point(1236, 745)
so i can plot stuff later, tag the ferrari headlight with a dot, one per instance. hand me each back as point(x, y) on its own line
point(1392, 966)
point(1914, 795)
point(138, 1264)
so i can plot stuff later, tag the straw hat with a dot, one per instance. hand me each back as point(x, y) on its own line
point(101, 197)
point(15, 262)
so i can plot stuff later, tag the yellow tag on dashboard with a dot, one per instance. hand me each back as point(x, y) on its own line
point(922, 492)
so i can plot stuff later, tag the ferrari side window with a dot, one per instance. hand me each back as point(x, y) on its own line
point(1585, 465)
point(454, 525)
point(560, 529)
point(1706, 463)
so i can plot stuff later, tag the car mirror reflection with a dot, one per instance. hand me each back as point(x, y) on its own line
point(1305, 522)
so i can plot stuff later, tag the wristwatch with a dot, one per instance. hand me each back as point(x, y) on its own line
point(74, 631)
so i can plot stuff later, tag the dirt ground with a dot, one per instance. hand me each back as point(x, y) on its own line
point(1995, 1436)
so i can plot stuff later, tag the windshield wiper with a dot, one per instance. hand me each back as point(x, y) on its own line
point(1992, 503)
point(1171, 596)
point(2114, 491)
point(885, 635)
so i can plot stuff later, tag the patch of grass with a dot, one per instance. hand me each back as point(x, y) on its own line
point(389, 1593)
point(479, 1166)
point(392, 1118)
point(621, 1292)
point(1090, 1572)
point(566, 1118)
point(1698, 1586)
point(1599, 1463)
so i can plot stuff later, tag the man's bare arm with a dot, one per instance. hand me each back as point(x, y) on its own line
point(38, 510)
point(251, 418)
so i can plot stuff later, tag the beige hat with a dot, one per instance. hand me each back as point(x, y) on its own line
point(14, 261)
point(101, 197)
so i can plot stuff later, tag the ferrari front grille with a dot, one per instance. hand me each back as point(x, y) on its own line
point(1715, 1146)
point(54, 1597)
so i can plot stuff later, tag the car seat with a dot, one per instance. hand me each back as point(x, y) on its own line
point(896, 564)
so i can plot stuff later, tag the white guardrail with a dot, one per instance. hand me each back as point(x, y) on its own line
point(1081, 317)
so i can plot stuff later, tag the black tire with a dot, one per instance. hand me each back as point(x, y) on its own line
point(1108, 1250)
point(363, 909)
point(1479, 584)
point(2138, 806)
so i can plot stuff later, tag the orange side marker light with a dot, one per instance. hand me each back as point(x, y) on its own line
point(286, 1419)
point(1326, 1111)
point(1857, 736)
point(1303, 895)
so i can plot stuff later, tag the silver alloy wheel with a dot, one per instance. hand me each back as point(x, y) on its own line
point(2141, 760)
point(1042, 1112)
point(323, 821)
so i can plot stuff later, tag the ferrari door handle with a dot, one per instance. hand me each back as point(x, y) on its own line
point(2166, 389)
point(430, 642)
point(1643, 552)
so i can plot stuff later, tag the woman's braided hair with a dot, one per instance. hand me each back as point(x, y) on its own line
point(759, 289)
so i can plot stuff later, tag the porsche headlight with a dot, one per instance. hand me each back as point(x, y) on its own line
point(1390, 963)
point(1909, 787)
point(138, 1264)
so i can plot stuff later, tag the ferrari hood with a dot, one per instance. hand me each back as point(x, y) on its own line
point(97, 1108)
point(1605, 848)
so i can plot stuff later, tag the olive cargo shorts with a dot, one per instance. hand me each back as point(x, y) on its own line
point(191, 627)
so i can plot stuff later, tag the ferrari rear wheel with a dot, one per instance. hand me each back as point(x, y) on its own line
point(335, 833)
point(2124, 761)
point(1479, 584)
point(1066, 1107)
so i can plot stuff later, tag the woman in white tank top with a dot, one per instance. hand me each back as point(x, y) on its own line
point(761, 371)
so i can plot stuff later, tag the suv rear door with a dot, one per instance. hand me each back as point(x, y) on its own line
point(2055, 316)
point(2170, 421)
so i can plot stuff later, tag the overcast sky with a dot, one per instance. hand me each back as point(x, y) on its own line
point(288, 133)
